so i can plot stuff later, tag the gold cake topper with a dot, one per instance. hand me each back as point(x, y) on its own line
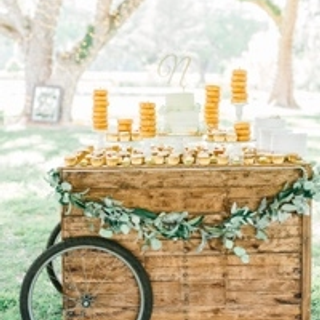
point(168, 67)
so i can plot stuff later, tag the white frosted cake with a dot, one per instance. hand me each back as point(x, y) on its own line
point(180, 114)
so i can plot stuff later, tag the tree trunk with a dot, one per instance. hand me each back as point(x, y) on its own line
point(42, 68)
point(39, 48)
point(283, 87)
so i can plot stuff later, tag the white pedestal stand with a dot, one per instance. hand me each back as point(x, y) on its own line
point(239, 111)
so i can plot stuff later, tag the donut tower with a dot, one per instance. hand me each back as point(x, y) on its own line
point(211, 107)
point(239, 93)
point(99, 112)
point(148, 123)
point(243, 132)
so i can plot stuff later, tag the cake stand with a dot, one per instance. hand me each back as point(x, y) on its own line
point(239, 107)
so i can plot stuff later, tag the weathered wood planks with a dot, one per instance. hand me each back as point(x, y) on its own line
point(213, 284)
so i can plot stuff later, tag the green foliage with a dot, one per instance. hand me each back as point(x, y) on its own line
point(315, 300)
point(7, 301)
point(85, 45)
point(151, 228)
point(276, 10)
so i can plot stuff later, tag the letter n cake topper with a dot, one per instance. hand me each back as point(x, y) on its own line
point(169, 65)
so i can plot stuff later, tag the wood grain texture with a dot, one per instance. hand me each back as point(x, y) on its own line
point(212, 284)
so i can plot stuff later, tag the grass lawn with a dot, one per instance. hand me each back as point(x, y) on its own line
point(28, 213)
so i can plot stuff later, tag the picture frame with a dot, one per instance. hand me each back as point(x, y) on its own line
point(46, 104)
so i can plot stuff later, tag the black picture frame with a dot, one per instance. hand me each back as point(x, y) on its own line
point(46, 104)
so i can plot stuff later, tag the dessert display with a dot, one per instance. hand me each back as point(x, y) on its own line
point(243, 131)
point(123, 155)
point(239, 93)
point(148, 123)
point(99, 111)
point(180, 115)
point(211, 106)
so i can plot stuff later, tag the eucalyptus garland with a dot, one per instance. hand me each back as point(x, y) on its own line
point(152, 227)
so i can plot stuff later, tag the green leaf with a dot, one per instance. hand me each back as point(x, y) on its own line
point(263, 223)
point(261, 235)
point(245, 258)
point(66, 186)
point(288, 207)
point(308, 185)
point(107, 233)
point(155, 244)
point(234, 208)
point(196, 221)
point(65, 198)
point(135, 219)
point(239, 251)
point(125, 229)
point(283, 216)
point(57, 196)
point(228, 244)
point(124, 218)
point(263, 205)
point(145, 247)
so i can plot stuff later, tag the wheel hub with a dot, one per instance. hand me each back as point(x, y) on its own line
point(86, 301)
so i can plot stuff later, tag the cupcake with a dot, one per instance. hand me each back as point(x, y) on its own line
point(264, 158)
point(112, 137)
point(231, 136)
point(277, 158)
point(97, 160)
point(210, 137)
point(159, 158)
point(137, 159)
point(213, 159)
point(293, 157)
point(112, 161)
point(222, 159)
point(126, 162)
point(71, 160)
point(248, 158)
point(219, 136)
point(84, 163)
point(203, 158)
point(124, 136)
point(173, 159)
point(135, 135)
point(149, 161)
point(188, 159)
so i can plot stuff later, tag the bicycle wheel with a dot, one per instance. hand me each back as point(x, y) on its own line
point(101, 280)
point(54, 238)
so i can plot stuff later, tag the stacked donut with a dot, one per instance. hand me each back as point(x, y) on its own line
point(211, 107)
point(99, 112)
point(148, 123)
point(239, 93)
point(125, 125)
point(243, 132)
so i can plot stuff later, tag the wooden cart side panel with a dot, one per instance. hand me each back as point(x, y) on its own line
point(213, 284)
point(306, 268)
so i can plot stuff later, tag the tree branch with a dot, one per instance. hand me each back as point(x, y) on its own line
point(14, 14)
point(270, 8)
point(104, 28)
point(124, 11)
point(8, 28)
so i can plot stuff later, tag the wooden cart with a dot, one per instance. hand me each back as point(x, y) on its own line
point(212, 284)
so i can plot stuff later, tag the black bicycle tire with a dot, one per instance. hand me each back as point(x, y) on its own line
point(140, 273)
point(52, 240)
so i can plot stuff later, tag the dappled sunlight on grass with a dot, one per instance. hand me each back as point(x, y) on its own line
point(19, 158)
